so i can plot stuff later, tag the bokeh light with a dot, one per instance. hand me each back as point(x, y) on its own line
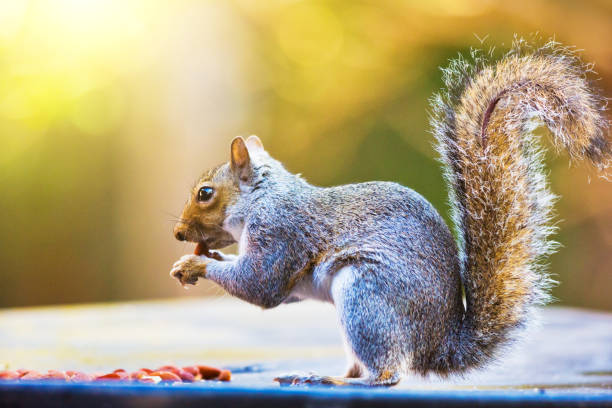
point(110, 109)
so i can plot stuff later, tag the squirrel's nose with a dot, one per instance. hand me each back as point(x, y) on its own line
point(180, 235)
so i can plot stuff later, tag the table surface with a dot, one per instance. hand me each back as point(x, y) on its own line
point(568, 355)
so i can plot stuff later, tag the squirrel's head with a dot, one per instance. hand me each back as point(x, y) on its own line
point(203, 218)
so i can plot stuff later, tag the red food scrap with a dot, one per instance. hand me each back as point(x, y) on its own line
point(193, 371)
point(55, 375)
point(225, 375)
point(170, 368)
point(137, 375)
point(186, 376)
point(149, 380)
point(167, 373)
point(209, 373)
point(31, 375)
point(201, 249)
point(166, 376)
point(9, 375)
point(77, 376)
point(110, 377)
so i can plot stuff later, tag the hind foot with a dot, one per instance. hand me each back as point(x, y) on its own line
point(313, 379)
point(293, 379)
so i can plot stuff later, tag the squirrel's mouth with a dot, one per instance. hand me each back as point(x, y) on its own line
point(206, 238)
point(217, 241)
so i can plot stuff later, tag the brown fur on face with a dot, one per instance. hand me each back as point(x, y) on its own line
point(203, 221)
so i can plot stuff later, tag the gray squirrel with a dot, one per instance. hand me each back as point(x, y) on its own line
point(381, 253)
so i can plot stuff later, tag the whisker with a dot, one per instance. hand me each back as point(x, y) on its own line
point(170, 214)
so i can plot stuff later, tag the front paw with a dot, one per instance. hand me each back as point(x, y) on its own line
point(189, 269)
point(220, 256)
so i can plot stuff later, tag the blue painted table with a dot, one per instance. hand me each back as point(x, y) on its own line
point(565, 361)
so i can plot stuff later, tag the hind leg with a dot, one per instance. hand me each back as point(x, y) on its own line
point(371, 328)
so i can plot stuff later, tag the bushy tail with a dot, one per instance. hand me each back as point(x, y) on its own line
point(502, 205)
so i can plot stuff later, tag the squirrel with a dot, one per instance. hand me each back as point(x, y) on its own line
point(411, 297)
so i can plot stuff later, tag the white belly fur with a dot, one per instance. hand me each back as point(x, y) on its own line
point(323, 285)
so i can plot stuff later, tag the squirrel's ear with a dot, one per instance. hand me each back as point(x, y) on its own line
point(240, 161)
point(254, 144)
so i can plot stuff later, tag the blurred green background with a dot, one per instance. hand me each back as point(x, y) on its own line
point(110, 109)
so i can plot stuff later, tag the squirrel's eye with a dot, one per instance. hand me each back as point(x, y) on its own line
point(205, 193)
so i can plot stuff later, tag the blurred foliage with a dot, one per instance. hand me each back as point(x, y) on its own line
point(110, 109)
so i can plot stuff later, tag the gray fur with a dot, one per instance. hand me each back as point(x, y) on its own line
point(406, 288)
point(383, 255)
